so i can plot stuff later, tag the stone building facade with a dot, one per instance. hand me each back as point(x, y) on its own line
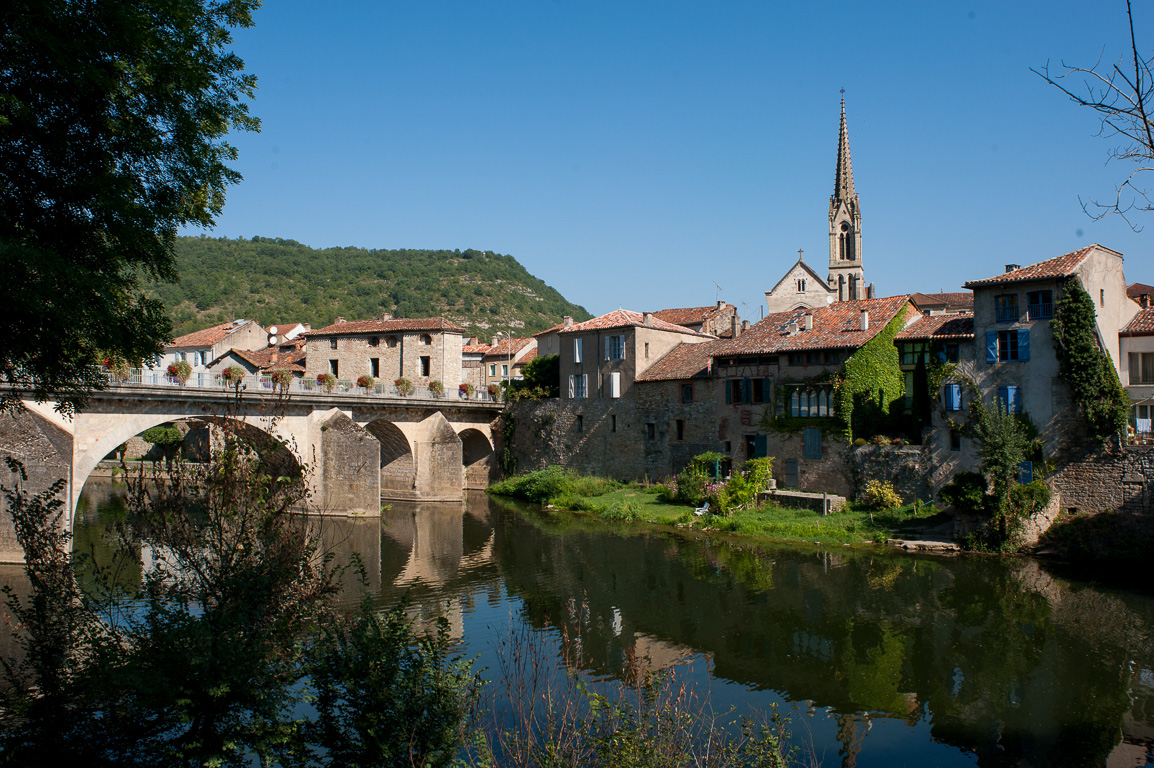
point(421, 350)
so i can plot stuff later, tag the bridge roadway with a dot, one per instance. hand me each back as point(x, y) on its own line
point(359, 447)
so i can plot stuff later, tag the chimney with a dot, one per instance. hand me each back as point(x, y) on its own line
point(744, 326)
point(865, 320)
point(385, 316)
point(340, 320)
point(734, 328)
point(1144, 301)
point(567, 322)
point(273, 356)
point(807, 321)
point(494, 342)
point(648, 319)
point(793, 326)
point(1012, 267)
point(721, 304)
point(870, 291)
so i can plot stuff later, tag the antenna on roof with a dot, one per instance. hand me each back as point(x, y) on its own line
point(718, 292)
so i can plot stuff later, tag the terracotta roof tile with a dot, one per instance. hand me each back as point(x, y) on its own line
point(506, 347)
point(837, 326)
point(377, 325)
point(940, 327)
point(208, 336)
point(625, 318)
point(1059, 266)
point(1134, 290)
point(475, 349)
point(554, 329)
point(685, 361)
point(293, 360)
point(689, 315)
point(1141, 325)
point(530, 355)
point(950, 300)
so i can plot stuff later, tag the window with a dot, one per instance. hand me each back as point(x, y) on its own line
point(915, 352)
point(801, 286)
point(1006, 308)
point(426, 365)
point(813, 357)
point(1142, 367)
point(375, 367)
point(955, 440)
point(797, 358)
point(615, 384)
point(745, 391)
point(612, 422)
point(1008, 346)
point(952, 397)
point(651, 432)
point(810, 403)
point(492, 369)
point(332, 343)
point(1102, 297)
point(1010, 399)
point(681, 429)
point(1025, 472)
point(1040, 305)
point(577, 350)
point(812, 448)
point(580, 423)
point(615, 347)
point(391, 342)
point(577, 386)
point(374, 341)
point(334, 368)
point(687, 393)
point(952, 351)
point(426, 339)
point(504, 369)
point(647, 350)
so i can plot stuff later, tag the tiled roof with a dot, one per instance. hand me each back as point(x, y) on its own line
point(1141, 325)
point(387, 326)
point(554, 329)
point(208, 336)
point(625, 318)
point(283, 327)
point(1134, 290)
point(262, 359)
point(530, 355)
point(837, 326)
point(475, 349)
point(1060, 266)
point(507, 347)
point(939, 327)
point(689, 315)
point(950, 300)
point(684, 361)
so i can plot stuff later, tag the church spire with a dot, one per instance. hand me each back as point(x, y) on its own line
point(843, 182)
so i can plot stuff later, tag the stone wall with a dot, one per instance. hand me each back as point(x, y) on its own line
point(1114, 479)
point(397, 355)
point(45, 451)
point(350, 457)
point(909, 468)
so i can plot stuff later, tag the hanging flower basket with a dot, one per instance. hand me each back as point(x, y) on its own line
point(437, 388)
point(404, 387)
point(327, 380)
point(366, 382)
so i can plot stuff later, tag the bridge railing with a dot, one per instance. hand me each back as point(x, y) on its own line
point(264, 383)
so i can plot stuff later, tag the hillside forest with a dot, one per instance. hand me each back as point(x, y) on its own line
point(273, 280)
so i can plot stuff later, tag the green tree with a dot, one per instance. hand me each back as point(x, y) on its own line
point(542, 378)
point(113, 118)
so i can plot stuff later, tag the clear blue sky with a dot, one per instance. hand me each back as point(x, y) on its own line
point(634, 153)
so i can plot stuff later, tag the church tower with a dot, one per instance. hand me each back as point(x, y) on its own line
point(846, 278)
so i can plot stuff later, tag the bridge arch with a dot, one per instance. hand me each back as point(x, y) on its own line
point(398, 465)
point(478, 458)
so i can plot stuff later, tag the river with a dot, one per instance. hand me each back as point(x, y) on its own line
point(878, 658)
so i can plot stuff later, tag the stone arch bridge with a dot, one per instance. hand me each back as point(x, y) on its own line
point(360, 448)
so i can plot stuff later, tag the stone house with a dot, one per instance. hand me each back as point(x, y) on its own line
point(717, 320)
point(200, 348)
point(421, 350)
point(549, 340)
point(1136, 348)
point(288, 357)
point(473, 363)
point(943, 303)
point(1016, 366)
point(775, 394)
point(602, 358)
point(505, 358)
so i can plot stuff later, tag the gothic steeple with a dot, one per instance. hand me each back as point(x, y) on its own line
point(845, 264)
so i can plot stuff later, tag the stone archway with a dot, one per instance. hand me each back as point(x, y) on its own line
point(398, 467)
point(478, 458)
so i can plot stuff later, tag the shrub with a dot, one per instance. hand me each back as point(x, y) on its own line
point(879, 495)
point(404, 386)
point(966, 492)
point(437, 388)
point(282, 379)
point(233, 374)
point(366, 382)
point(860, 441)
point(327, 380)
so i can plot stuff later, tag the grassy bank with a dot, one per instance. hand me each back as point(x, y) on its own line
point(630, 502)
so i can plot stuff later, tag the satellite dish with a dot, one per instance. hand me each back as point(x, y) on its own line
point(272, 340)
point(272, 329)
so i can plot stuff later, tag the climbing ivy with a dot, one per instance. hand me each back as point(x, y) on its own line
point(508, 429)
point(871, 377)
point(1082, 363)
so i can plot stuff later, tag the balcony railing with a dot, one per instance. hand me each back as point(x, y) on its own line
point(1040, 311)
point(1006, 314)
point(253, 383)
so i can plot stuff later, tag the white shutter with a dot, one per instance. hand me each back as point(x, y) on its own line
point(615, 384)
point(584, 385)
point(576, 350)
point(570, 387)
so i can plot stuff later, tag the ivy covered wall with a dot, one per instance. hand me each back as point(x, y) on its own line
point(871, 379)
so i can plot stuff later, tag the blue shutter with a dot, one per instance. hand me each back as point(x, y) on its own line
point(812, 449)
point(1023, 344)
point(760, 447)
point(1025, 472)
point(1015, 393)
point(728, 391)
point(746, 391)
point(1004, 398)
point(991, 346)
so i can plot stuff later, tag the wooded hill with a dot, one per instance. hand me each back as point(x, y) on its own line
point(281, 281)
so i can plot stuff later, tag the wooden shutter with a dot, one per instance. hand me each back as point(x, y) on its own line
point(1023, 344)
point(991, 346)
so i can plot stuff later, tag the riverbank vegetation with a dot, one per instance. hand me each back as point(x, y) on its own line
point(674, 504)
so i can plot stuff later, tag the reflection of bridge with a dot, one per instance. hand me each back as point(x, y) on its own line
point(359, 448)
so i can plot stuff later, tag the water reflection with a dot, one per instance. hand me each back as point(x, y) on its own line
point(896, 658)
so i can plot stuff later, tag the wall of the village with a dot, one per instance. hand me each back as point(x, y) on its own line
point(399, 355)
point(786, 296)
point(1101, 276)
point(638, 357)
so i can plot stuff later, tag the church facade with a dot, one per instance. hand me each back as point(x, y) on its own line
point(802, 287)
